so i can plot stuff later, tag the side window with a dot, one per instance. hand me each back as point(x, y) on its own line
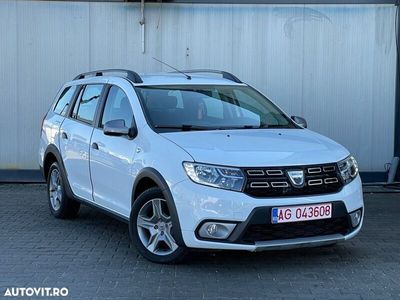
point(64, 100)
point(85, 107)
point(117, 107)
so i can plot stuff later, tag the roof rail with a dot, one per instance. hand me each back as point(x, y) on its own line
point(224, 74)
point(131, 75)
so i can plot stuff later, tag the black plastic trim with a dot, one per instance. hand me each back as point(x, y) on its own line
point(215, 221)
point(101, 105)
point(262, 215)
point(154, 175)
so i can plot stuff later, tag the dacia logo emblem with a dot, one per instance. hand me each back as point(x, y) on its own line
point(296, 178)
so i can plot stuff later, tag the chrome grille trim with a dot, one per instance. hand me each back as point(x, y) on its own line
point(280, 184)
point(274, 172)
point(329, 169)
point(255, 172)
point(314, 170)
point(259, 185)
point(331, 180)
point(315, 182)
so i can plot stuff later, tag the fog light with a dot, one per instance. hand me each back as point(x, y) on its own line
point(356, 218)
point(213, 230)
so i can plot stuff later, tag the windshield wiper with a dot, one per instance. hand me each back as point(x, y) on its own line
point(184, 127)
point(189, 127)
point(274, 126)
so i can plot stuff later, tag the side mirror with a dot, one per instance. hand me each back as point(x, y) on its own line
point(118, 128)
point(300, 121)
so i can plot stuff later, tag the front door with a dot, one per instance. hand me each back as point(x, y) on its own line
point(111, 157)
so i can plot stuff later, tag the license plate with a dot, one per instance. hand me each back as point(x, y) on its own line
point(301, 213)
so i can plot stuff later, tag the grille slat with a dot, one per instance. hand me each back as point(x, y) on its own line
point(318, 179)
point(281, 184)
point(259, 185)
point(255, 172)
point(274, 172)
point(268, 232)
point(314, 170)
point(315, 182)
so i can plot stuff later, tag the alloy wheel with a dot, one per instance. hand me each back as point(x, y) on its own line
point(55, 189)
point(154, 225)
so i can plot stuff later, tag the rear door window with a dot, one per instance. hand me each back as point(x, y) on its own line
point(64, 100)
point(86, 105)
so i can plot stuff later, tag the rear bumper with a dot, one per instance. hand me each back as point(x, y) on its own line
point(197, 204)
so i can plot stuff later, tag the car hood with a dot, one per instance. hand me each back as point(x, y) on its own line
point(258, 147)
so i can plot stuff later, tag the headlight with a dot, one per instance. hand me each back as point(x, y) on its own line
point(348, 169)
point(216, 176)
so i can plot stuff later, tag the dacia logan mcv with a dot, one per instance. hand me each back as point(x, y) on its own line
point(196, 160)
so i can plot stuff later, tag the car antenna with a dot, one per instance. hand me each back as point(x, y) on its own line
point(187, 76)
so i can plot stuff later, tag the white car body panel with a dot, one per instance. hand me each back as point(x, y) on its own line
point(111, 171)
point(259, 147)
point(75, 153)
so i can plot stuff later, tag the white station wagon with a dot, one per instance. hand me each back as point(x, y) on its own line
point(196, 159)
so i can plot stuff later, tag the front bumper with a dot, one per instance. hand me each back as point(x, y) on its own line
point(196, 204)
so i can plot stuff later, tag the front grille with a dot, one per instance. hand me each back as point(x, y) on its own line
point(268, 232)
point(272, 182)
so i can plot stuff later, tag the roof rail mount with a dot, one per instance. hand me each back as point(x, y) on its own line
point(128, 74)
point(224, 74)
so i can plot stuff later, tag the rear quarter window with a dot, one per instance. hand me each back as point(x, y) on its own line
point(64, 100)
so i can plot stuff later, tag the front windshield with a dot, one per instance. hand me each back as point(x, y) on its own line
point(203, 107)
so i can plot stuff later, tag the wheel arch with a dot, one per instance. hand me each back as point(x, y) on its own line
point(150, 177)
point(51, 155)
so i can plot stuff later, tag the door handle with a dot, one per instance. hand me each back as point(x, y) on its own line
point(64, 136)
point(95, 146)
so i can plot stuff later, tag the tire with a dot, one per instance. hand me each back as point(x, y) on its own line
point(152, 237)
point(61, 206)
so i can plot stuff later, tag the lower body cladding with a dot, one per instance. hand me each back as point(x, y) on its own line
point(212, 218)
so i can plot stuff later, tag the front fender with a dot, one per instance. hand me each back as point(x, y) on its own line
point(154, 175)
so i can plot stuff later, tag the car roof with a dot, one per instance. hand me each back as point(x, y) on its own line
point(198, 78)
point(181, 79)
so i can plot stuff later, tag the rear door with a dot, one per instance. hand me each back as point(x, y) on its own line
point(111, 157)
point(75, 134)
point(55, 116)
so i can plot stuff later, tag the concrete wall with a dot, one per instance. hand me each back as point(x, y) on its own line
point(332, 64)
